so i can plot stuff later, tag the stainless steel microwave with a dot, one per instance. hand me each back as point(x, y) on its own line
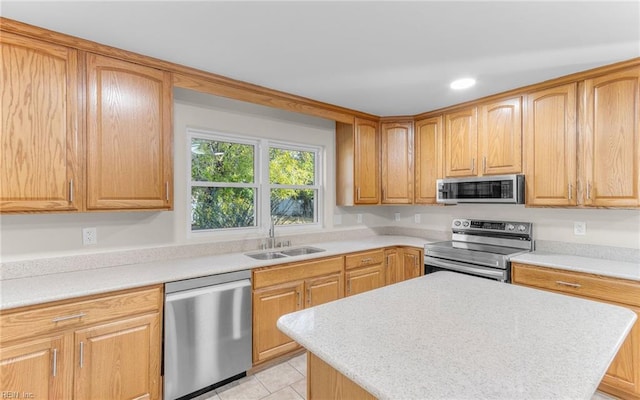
point(503, 189)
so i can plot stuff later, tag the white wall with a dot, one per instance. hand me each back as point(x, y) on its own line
point(619, 228)
point(45, 235)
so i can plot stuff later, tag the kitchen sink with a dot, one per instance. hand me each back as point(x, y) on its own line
point(270, 255)
point(300, 251)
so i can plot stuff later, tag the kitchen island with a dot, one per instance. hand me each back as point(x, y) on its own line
point(446, 336)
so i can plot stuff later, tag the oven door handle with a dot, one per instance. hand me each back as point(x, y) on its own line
point(466, 268)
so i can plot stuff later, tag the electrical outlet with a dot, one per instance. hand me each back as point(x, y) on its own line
point(579, 228)
point(89, 236)
point(337, 219)
point(359, 218)
point(416, 218)
point(396, 217)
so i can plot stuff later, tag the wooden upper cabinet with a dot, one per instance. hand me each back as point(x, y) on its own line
point(397, 162)
point(39, 137)
point(428, 159)
point(461, 142)
point(367, 162)
point(610, 133)
point(500, 137)
point(550, 146)
point(129, 148)
point(357, 163)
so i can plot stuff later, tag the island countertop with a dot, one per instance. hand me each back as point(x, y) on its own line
point(447, 335)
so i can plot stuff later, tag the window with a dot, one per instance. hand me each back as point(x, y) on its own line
point(244, 183)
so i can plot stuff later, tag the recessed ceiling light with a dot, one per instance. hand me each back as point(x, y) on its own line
point(463, 83)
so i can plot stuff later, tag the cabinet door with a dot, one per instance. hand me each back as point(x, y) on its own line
point(269, 305)
point(39, 139)
point(36, 369)
point(412, 263)
point(550, 144)
point(461, 143)
point(323, 290)
point(500, 137)
point(623, 376)
point(364, 279)
point(428, 159)
point(129, 145)
point(119, 360)
point(366, 162)
point(392, 266)
point(610, 129)
point(397, 163)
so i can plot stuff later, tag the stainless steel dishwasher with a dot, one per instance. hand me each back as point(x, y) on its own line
point(207, 332)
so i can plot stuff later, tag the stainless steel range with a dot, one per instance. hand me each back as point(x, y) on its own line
point(481, 248)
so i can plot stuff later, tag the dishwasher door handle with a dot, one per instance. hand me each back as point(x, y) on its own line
point(221, 287)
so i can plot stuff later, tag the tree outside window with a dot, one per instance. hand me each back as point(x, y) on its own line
point(226, 191)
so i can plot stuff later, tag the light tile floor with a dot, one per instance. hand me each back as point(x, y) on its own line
point(284, 381)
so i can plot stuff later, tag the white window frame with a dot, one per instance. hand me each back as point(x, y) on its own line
point(262, 201)
point(318, 186)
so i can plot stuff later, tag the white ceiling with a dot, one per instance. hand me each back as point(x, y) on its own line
point(384, 58)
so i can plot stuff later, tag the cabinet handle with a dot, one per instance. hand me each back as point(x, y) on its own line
point(71, 191)
point(570, 191)
point(348, 286)
point(588, 190)
point(68, 317)
point(573, 285)
point(383, 194)
point(55, 362)
point(298, 297)
point(484, 164)
point(366, 260)
point(473, 165)
point(81, 354)
point(309, 296)
point(166, 190)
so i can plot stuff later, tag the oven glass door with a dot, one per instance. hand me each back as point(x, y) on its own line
point(432, 264)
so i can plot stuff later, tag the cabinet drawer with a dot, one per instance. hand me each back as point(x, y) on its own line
point(268, 276)
point(80, 313)
point(577, 283)
point(364, 258)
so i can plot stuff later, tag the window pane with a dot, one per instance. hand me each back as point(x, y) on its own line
point(215, 208)
point(291, 167)
point(293, 206)
point(216, 161)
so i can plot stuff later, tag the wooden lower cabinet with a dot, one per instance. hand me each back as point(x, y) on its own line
point(324, 382)
point(269, 305)
point(38, 367)
point(310, 284)
point(623, 376)
point(362, 280)
point(402, 263)
point(121, 352)
point(102, 347)
point(412, 263)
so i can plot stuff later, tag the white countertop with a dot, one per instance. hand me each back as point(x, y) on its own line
point(615, 269)
point(60, 286)
point(451, 336)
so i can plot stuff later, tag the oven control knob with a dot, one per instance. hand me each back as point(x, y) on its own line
point(456, 223)
point(465, 224)
point(522, 228)
point(510, 227)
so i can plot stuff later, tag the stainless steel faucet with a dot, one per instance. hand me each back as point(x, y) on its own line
point(272, 236)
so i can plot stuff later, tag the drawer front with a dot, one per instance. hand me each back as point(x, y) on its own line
point(269, 276)
point(80, 313)
point(577, 283)
point(363, 259)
